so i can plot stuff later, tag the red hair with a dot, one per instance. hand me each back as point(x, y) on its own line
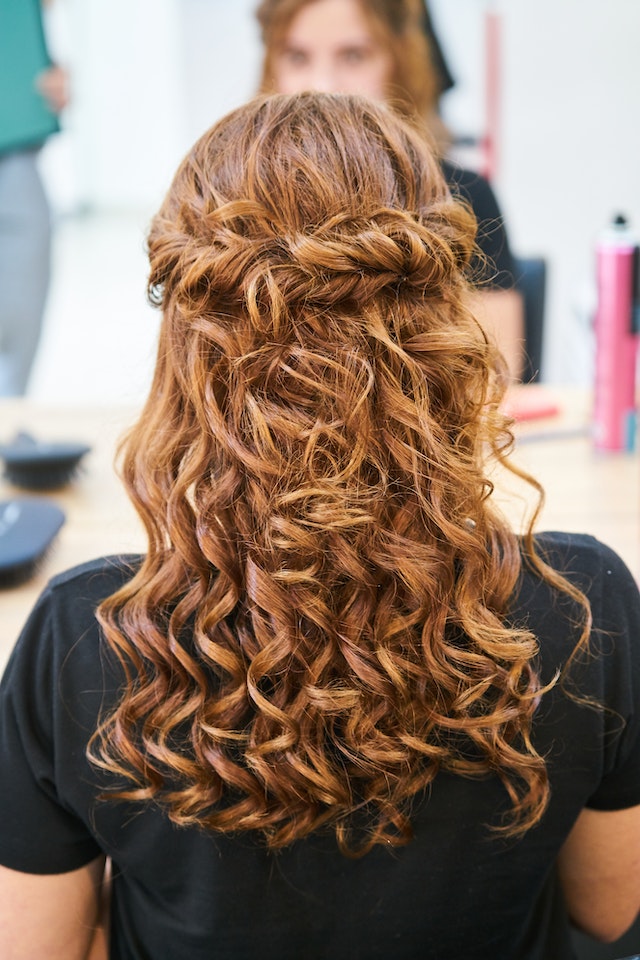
point(318, 627)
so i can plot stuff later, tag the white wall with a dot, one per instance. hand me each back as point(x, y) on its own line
point(151, 75)
point(221, 56)
point(571, 146)
point(148, 77)
point(124, 128)
point(570, 139)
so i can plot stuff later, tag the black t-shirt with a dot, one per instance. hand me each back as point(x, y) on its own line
point(495, 268)
point(456, 891)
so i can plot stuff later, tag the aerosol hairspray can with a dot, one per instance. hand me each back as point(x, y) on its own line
point(617, 325)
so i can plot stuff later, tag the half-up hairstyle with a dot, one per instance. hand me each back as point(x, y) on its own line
point(319, 625)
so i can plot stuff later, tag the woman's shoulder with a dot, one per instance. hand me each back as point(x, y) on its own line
point(66, 609)
point(589, 565)
point(80, 589)
point(581, 556)
point(95, 576)
point(603, 578)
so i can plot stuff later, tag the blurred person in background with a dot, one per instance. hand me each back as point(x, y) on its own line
point(382, 49)
point(33, 91)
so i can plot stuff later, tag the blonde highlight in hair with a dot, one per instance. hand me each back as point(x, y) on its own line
point(319, 625)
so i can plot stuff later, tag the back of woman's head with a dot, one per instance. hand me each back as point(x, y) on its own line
point(310, 470)
point(310, 263)
point(328, 200)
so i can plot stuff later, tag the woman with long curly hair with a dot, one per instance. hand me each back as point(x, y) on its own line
point(338, 709)
point(382, 49)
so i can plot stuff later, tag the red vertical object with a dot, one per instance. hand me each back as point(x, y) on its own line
point(615, 413)
point(492, 94)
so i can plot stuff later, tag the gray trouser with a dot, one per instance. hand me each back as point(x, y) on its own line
point(25, 244)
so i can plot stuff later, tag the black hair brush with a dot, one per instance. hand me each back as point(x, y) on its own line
point(27, 529)
point(35, 465)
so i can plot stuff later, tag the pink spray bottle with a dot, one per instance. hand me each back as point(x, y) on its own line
point(617, 329)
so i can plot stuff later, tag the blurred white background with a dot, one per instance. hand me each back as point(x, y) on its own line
point(148, 76)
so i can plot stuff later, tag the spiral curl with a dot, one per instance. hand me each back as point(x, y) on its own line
point(319, 625)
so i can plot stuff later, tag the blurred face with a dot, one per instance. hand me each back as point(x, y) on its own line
point(330, 47)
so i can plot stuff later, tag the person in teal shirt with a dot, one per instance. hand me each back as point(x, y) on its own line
point(33, 91)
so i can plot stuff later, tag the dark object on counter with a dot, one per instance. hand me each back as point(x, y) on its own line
point(36, 465)
point(27, 529)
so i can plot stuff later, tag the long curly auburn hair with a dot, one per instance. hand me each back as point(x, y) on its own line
point(319, 624)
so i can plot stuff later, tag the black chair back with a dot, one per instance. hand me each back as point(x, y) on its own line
point(531, 281)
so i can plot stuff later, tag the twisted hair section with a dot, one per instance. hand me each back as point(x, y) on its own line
point(318, 627)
